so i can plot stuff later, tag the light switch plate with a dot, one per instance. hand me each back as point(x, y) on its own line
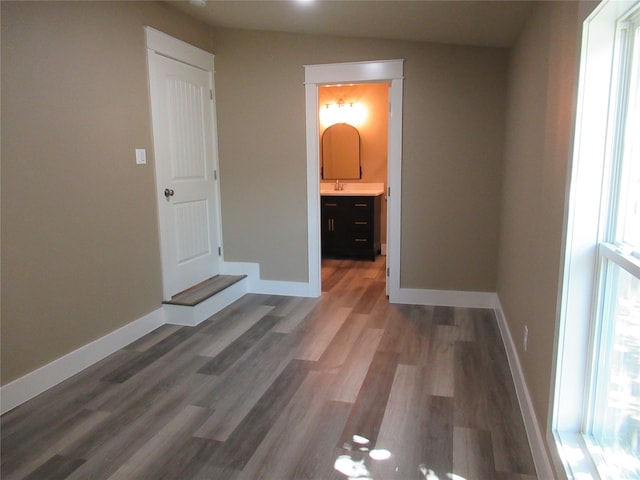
point(141, 156)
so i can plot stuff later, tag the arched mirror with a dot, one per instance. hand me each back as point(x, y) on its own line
point(341, 153)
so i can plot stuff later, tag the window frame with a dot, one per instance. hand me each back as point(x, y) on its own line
point(595, 176)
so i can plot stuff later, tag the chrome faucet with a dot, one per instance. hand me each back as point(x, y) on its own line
point(338, 186)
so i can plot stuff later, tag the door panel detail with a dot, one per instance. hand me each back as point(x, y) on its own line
point(192, 228)
point(188, 150)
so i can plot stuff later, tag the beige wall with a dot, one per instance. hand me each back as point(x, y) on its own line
point(374, 132)
point(80, 253)
point(542, 89)
point(454, 104)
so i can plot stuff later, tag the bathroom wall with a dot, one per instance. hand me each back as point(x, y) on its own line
point(374, 132)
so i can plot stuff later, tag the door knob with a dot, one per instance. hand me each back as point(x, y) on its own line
point(168, 192)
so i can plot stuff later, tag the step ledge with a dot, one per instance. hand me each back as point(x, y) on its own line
point(204, 290)
point(192, 316)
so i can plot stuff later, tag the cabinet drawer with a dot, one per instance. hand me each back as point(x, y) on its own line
point(359, 241)
point(362, 229)
point(361, 203)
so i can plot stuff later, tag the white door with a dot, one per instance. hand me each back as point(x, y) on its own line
point(185, 158)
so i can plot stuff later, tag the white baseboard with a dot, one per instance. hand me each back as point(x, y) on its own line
point(268, 287)
point(192, 316)
point(446, 298)
point(541, 460)
point(36, 382)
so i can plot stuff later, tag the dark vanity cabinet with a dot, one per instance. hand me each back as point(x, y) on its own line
point(350, 226)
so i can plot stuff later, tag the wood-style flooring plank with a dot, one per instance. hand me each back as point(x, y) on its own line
point(437, 433)
point(284, 306)
point(320, 336)
point(143, 344)
point(336, 353)
point(56, 467)
point(405, 333)
point(401, 421)
point(470, 396)
point(473, 454)
point(175, 432)
point(48, 410)
point(507, 428)
point(370, 296)
point(230, 326)
point(39, 452)
point(285, 442)
point(440, 353)
point(356, 366)
point(235, 395)
point(238, 448)
point(443, 315)
point(193, 460)
point(143, 359)
point(150, 383)
point(120, 436)
point(227, 357)
point(296, 316)
point(368, 409)
point(320, 448)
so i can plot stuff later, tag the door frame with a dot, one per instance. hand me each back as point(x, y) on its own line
point(380, 71)
point(160, 43)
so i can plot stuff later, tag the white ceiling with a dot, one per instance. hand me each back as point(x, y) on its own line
point(479, 22)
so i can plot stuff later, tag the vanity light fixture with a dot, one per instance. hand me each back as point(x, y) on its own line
point(339, 104)
point(343, 112)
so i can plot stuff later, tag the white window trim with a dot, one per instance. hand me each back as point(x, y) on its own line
point(585, 230)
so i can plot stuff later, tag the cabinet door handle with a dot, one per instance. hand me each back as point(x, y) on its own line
point(360, 239)
point(330, 204)
point(360, 223)
point(361, 205)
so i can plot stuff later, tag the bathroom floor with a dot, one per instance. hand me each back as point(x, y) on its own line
point(343, 386)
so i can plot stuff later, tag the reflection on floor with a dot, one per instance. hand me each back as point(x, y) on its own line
point(344, 386)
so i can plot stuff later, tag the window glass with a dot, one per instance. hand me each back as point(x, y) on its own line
point(616, 426)
point(628, 221)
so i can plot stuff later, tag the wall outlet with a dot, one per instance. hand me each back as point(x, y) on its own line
point(525, 338)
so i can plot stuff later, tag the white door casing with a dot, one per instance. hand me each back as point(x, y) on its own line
point(390, 71)
point(184, 136)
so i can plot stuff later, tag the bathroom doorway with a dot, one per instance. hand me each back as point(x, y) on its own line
point(353, 169)
point(390, 74)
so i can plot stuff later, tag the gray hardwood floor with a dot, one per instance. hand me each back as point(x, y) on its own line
point(272, 387)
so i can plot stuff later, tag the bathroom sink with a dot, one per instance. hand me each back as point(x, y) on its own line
point(353, 189)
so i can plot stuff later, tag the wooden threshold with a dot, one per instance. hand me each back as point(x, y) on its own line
point(204, 290)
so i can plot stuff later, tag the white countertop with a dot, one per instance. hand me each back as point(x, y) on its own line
point(353, 189)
